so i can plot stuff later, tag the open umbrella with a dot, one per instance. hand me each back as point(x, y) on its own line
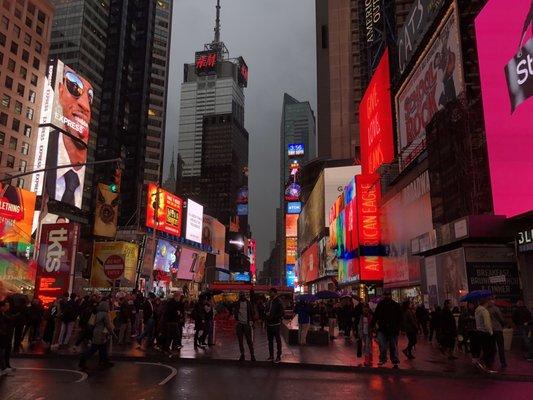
point(476, 295)
point(327, 294)
point(306, 298)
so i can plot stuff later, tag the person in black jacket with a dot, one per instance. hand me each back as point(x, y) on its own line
point(173, 314)
point(448, 330)
point(243, 311)
point(148, 321)
point(410, 327)
point(388, 320)
point(274, 315)
point(6, 331)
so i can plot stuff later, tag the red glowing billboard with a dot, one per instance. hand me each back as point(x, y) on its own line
point(505, 50)
point(375, 120)
point(371, 268)
point(291, 225)
point(368, 198)
point(350, 222)
point(309, 264)
point(169, 210)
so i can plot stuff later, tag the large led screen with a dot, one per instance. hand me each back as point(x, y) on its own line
point(195, 215)
point(163, 210)
point(505, 51)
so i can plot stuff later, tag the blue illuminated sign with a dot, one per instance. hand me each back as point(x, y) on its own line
point(295, 149)
point(294, 207)
point(242, 209)
point(290, 275)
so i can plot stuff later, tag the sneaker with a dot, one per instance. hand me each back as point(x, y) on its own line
point(242, 358)
point(278, 359)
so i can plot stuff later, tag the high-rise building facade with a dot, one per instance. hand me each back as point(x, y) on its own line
point(25, 28)
point(79, 34)
point(132, 112)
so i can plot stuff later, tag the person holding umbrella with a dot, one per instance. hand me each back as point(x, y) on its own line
point(303, 310)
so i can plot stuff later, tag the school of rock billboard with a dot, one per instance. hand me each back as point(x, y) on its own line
point(436, 79)
point(505, 51)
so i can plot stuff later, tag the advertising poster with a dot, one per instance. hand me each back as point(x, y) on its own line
point(328, 258)
point(291, 244)
point(167, 256)
point(214, 235)
point(504, 37)
point(16, 214)
point(291, 225)
point(66, 111)
point(311, 219)
point(252, 255)
point(412, 204)
point(436, 79)
point(431, 281)
point(501, 278)
point(293, 192)
point(371, 268)
point(290, 275)
point(55, 264)
point(375, 120)
point(350, 222)
point(190, 262)
point(368, 201)
point(168, 217)
point(294, 207)
point(309, 264)
point(195, 215)
point(114, 261)
point(106, 213)
point(243, 72)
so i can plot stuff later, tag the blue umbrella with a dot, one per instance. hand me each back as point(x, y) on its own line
point(306, 298)
point(327, 294)
point(476, 295)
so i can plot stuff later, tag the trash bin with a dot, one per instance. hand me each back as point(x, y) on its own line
point(507, 338)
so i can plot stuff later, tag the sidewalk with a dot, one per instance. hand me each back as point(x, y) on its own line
point(336, 356)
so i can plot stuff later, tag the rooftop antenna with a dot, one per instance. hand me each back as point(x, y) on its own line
point(217, 25)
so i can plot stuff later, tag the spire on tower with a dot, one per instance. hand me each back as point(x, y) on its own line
point(217, 24)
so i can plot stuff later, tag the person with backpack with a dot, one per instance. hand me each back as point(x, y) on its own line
point(68, 317)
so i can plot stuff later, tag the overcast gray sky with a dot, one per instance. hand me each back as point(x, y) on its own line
point(277, 40)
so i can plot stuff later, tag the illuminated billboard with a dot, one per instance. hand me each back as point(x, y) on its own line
point(63, 135)
point(290, 275)
point(436, 80)
point(114, 261)
point(106, 213)
point(214, 235)
point(16, 214)
point(375, 120)
point(243, 72)
point(169, 210)
point(293, 192)
point(55, 264)
point(195, 218)
point(309, 264)
point(295, 149)
point(505, 50)
point(291, 246)
point(242, 210)
point(206, 62)
point(368, 201)
point(294, 207)
point(371, 268)
point(291, 225)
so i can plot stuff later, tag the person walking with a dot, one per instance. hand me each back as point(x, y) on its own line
point(303, 311)
point(34, 317)
point(6, 329)
point(244, 315)
point(410, 327)
point(498, 322)
point(331, 312)
point(448, 330)
point(209, 311)
point(103, 330)
point(485, 336)
point(422, 317)
point(388, 320)
point(434, 323)
point(198, 315)
point(148, 321)
point(88, 309)
point(69, 315)
point(345, 317)
point(522, 320)
point(124, 319)
point(274, 315)
point(364, 330)
point(172, 315)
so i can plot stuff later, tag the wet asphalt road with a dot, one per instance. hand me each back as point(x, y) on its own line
point(59, 380)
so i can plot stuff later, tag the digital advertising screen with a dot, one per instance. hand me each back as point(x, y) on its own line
point(169, 210)
point(195, 215)
point(214, 235)
point(375, 120)
point(290, 275)
point(293, 192)
point(505, 51)
point(291, 247)
point(167, 255)
point(295, 149)
point(368, 201)
point(206, 62)
point(309, 264)
point(294, 207)
point(243, 72)
point(291, 225)
point(16, 214)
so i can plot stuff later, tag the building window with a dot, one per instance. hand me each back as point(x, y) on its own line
point(29, 113)
point(36, 63)
point(38, 47)
point(14, 48)
point(25, 56)
point(18, 13)
point(6, 101)
point(2, 39)
point(29, 22)
point(34, 80)
point(20, 182)
point(31, 96)
point(18, 107)
point(10, 163)
point(13, 143)
point(5, 22)
point(2, 138)
point(41, 16)
point(3, 119)
point(9, 82)
point(16, 31)
point(23, 165)
point(11, 65)
point(15, 125)
point(23, 72)
point(27, 130)
point(27, 39)
point(25, 148)
point(39, 29)
point(20, 89)
point(31, 8)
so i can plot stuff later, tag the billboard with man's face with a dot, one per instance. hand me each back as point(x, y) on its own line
point(63, 136)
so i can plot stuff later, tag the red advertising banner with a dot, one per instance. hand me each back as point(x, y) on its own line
point(368, 198)
point(371, 268)
point(350, 222)
point(55, 263)
point(309, 264)
point(375, 120)
point(169, 210)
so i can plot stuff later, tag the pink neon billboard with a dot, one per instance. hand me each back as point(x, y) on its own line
point(505, 50)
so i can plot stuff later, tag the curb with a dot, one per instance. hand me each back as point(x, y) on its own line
point(159, 358)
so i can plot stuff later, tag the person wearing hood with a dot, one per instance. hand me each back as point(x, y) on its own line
point(103, 329)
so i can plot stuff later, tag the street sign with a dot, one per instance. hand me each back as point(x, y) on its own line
point(114, 266)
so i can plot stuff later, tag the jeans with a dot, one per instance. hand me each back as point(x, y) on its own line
point(367, 348)
point(488, 348)
point(173, 335)
point(147, 332)
point(498, 338)
point(66, 332)
point(527, 342)
point(124, 333)
point(244, 330)
point(102, 353)
point(273, 331)
point(388, 343)
point(302, 333)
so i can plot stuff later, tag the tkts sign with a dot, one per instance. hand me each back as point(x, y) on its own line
point(57, 254)
point(206, 62)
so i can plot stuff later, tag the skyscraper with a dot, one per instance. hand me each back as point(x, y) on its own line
point(79, 34)
point(134, 98)
point(24, 43)
point(213, 143)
